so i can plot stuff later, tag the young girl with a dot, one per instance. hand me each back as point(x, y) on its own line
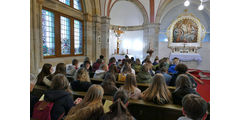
point(45, 72)
point(82, 83)
point(158, 91)
point(109, 84)
point(183, 87)
point(126, 70)
point(130, 87)
point(90, 108)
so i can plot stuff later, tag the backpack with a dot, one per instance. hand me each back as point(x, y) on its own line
point(42, 110)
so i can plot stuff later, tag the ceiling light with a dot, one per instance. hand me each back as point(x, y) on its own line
point(186, 3)
point(201, 7)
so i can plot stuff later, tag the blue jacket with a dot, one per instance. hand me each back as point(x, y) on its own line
point(171, 69)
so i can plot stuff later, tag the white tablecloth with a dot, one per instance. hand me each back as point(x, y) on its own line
point(186, 57)
point(121, 56)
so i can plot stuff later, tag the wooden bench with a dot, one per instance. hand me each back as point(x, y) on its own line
point(141, 86)
point(142, 110)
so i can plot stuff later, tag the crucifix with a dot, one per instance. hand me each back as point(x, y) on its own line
point(118, 33)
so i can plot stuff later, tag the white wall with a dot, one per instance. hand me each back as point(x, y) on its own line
point(126, 13)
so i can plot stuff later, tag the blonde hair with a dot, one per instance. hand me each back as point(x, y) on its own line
point(82, 75)
point(158, 90)
point(130, 82)
point(91, 102)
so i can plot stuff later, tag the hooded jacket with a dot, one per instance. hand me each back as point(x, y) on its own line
point(99, 74)
point(62, 100)
point(144, 77)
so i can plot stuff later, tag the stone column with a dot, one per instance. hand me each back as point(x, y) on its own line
point(97, 36)
point(88, 37)
point(150, 37)
point(105, 24)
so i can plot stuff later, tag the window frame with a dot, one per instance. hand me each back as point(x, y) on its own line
point(72, 4)
point(57, 33)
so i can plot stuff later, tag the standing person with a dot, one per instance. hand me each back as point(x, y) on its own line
point(194, 108)
point(82, 83)
point(109, 84)
point(60, 95)
point(44, 77)
point(72, 68)
point(144, 76)
point(90, 108)
point(130, 87)
point(100, 73)
point(171, 68)
point(158, 92)
point(183, 87)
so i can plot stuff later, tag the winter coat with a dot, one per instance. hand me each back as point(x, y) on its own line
point(144, 77)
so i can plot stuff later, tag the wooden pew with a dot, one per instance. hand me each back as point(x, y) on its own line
point(142, 110)
point(141, 86)
point(39, 90)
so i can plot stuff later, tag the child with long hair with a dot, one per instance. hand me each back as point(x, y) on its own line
point(130, 87)
point(90, 108)
point(109, 84)
point(44, 76)
point(82, 83)
point(158, 91)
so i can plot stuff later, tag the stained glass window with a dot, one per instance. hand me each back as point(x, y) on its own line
point(78, 39)
point(48, 36)
point(65, 1)
point(77, 4)
point(65, 35)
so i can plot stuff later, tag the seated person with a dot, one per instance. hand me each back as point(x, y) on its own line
point(182, 69)
point(100, 73)
point(144, 76)
point(72, 68)
point(112, 60)
point(158, 92)
point(113, 70)
point(82, 83)
point(130, 87)
point(44, 77)
point(194, 108)
point(137, 66)
point(33, 98)
point(60, 68)
point(128, 62)
point(90, 108)
point(109, 84)
point(118, 110)
point(97, 64)
point(167, 77)
point(183, 87)
point(60, 94)
point(171, 69)
point(123, 74)
point(156, 60)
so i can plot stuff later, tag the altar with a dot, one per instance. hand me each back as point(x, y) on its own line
point(120, 56)
point(186, 57)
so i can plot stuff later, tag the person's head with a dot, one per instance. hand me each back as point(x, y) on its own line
point(33, 81)
point(132, 59)
point(163, 69)
point(86, 64)
point(175, 60)
point(156, 59)
point(183, 81)
point(194, 107)
point(101, 57)
point(109, 79)
point(126, 57)
point(75, 62)
point(99, 61)
point(113, 68)
point(104, 67)
point(94, 95)
point(158, 89)
point(46, 69)
point(127, 69)
point(130, 82)
point(82, 75)
point(181, 68)
point(86, 59)
point(122, 95)
point(112, 60)
point(138, 62)
point(59, 82)
point(60, 68)
point(145, 68)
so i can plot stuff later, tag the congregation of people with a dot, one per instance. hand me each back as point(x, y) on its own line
point(158, 74)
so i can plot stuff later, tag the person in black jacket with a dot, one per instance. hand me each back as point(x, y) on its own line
point(182, 69)
point(83, 81)
point(183, 87)
point(59, 93)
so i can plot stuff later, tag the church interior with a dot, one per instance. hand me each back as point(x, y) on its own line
point(157, 52)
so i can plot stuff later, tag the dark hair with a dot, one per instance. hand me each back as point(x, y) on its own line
point(112, 60)
point(183, 81)
point(99, 61)
point(132, 58)
point(194, 106)
point(86, 62)
point(113, 68)
point(74, 61)
point(109, 79)
point(44, 72)
point(175, 58)
point(101, 57)
point(181, 68)
point(121, 94)
point(60, 68)
point(126, 56)
point(163, 69)
point(59, 82)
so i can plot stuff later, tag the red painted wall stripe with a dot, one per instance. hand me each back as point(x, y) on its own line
point(151, 11)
